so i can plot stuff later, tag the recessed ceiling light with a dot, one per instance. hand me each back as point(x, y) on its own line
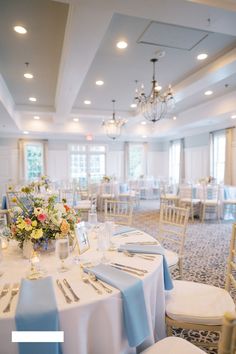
point(122, 44)
point(36, 117)
point(32, 99)
point(208, 93)
point(233, 116)
point(99, 82)
point(133, 105)
point(75, 119)
point(144, 136)
point(202, 56)
point(28, 76)
point(20, 29)
point(174, 118)
point(87, 102)
point(143, 122)
point(25, 132)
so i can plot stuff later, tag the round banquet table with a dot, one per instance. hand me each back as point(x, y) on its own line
point(94, 325)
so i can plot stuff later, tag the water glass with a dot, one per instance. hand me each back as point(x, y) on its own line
point(103, 242)
point(92, 218)
point(62, 252)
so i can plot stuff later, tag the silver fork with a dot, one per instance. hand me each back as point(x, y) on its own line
point(14, 292)
point(5, 290)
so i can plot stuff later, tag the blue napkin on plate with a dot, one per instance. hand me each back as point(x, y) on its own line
point(37, 311)
point(134, 307)
point(123, 230)
point(154, 250)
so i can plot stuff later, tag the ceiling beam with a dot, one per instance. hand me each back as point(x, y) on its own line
point(8, 102)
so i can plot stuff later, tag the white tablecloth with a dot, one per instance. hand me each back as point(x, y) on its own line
point(95, 324)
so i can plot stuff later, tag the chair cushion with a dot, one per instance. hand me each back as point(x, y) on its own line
point(211, 202)
point(171, 257)
point(83, 204)
point(173, 345)
point(198, 303)
point(230, 201)
point(189, 200)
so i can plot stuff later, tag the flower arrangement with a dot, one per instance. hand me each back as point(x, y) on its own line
point(106, 179)
point(206, 180)
point(41, 219)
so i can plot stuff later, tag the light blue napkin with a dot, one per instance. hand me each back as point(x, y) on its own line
point(154, 250)
point(123, 230)
point(37, 311)
point(134, 307)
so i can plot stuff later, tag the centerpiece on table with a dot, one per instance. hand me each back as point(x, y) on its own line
point(39, 220)
point(106, 179)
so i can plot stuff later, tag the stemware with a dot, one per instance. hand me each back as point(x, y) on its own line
point(62, 252)
point(103, 242)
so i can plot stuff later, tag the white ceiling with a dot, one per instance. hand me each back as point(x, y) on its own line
point(71, 44)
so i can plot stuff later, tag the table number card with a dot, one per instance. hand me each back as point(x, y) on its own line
point(81, 235)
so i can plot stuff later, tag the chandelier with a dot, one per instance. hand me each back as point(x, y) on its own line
point(156, 105)
point(113, 126)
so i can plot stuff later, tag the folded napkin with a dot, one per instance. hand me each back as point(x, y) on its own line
point(134, 307)
point(37, 311)
point(153, 250)
point(4, 202)
point(122, 230)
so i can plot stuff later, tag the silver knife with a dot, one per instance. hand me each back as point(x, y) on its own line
point(128, 270)
point(133, 268)
point(67, 298)
point(76, 298)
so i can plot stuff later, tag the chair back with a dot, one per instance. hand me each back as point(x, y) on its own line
point(211, 192)
point(231, 268)
point(68, 195)
point(121, 212)
point(186, 192)
point(227, 344)
point(172, 226)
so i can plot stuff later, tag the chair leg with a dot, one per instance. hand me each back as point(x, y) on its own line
point(203, 212)
point(168, 330)
point(181, 268)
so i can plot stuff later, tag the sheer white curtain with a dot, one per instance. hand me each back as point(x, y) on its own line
point(174, 161)
point(182, 162)
point(228, 157)
point(217, 155)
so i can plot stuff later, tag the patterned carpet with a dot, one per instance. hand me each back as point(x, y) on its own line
point(206, 252)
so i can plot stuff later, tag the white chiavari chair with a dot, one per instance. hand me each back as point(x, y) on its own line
point(176, 345)
point(211, 201)
point(167, 197)
point(121, 212)
point(197, 306)
point(172, 231)
point(187, 199)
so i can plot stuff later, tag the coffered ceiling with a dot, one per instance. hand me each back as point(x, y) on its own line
point(71, 44)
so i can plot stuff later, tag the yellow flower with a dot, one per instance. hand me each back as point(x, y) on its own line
point(14, 200)
point(28, 227)
point(21, 225)
point(36, 234)
point(34, 223)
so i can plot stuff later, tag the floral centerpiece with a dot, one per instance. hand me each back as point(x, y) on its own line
point(41, 219)
point(106, 179)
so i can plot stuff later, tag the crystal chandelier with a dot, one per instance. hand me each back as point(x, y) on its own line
point(156, 105)
point(113, 126)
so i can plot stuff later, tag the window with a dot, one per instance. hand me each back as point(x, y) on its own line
point(33, 160)
point(87, 163)
point(217, 147)
point(174, 161)
point(137, 161)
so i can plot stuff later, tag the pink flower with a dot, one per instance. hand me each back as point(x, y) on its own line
point(42, 217)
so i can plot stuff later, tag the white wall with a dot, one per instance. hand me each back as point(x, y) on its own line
point(197, 157)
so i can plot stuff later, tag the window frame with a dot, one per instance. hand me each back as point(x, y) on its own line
point(25, 161)
point(88, 152)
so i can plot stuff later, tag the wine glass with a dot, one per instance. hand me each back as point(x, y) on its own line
point(62, 252)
